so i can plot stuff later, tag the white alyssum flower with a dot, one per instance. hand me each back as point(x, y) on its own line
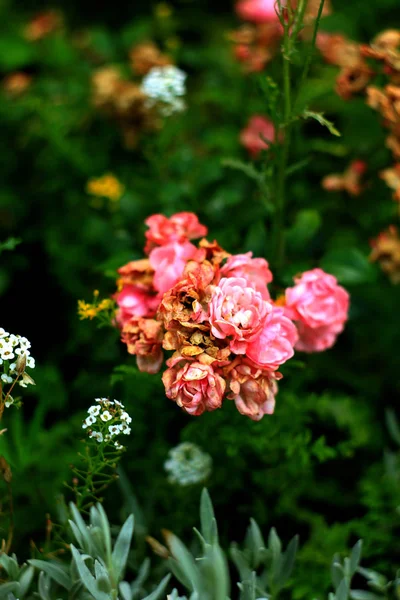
point(187, 464)
point(165, 86)
point(14, 359)
point(107, 419)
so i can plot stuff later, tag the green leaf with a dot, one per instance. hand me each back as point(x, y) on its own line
point(392, 425)
point(54, 571)
point(209, 530)
point(184, 559)
point(288, 561)
point(306, 225)
point(355, 557)
point(342, 592)
point(87, 578)
point(257, 543)
point(9, 244)
point(44, 586)
point(246, 168)
point(159, 591)
point(122, 547)
point(349, 265)
point(364, 595)
point(308, 114)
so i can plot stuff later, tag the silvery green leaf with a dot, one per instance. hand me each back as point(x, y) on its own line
point(54, 571)
point(99, 519)
point(102, 577)
point(180, 574)
point(25, 579)
point(85, 541)
point(185, 560)
point(10, 565)
point(159, 591)
point(141, 576)
point(392, 425)
point(125, 590)
point(209, 529)
point(288, 561)
point(342, 592)
point(373, 577)
point(78, 536)
point(355, 557)
point(87, 578)
point(336, 573)
point(241, 563)
point(257, 543)
point(44, 586)
point(364, 595)
point(275, 547)
point(248, 588)
point(8, 588)
point(218, 572)
point(122, 547)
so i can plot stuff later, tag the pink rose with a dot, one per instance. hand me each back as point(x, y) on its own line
point(257, 11)
point(179, 228)
point(316, 339)
point(169, 263)
point(320, 307)
point(238, 311)
point(253, 136)
point(195, 387)
point(274, 345)
point(252, 389)
point(254, 270)
point(134, 301)
point(143, 338)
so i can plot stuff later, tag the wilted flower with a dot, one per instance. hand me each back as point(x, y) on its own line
point(42, 25)
point(143, 338)
point(194, 386)
point(349, 181)
point(145, 56)
point(392, 178)
point(15, 84)
point(165, 86)
point(386, 251)
point(187, 464)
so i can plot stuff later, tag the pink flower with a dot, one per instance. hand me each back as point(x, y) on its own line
point(257, 11)
point(274, 345)
point(143, 338)
point(169, 262)
point(254, 270)
point(238, 311)
point(253, 136)
point(195, 387)
point(252, 389)
point(134, 301)
point(179, 228)
point(320, 307)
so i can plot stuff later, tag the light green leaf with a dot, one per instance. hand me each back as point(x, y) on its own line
point(159, 591)
point(207, 519)
point(349, 265)
point(87, 578)
point(308, 114)
point(122, 547)
point(355, 557)
point(54, 571)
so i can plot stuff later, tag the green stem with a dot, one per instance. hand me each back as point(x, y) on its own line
point(279, 236)
point(311, 50)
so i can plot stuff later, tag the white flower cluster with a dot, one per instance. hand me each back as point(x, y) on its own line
point(14, 358)
point(165, 86)
point(107, 419)
point(188, 464)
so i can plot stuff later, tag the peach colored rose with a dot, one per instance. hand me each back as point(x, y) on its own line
point(252, 389)
point(238, 311)
point(143, 338)
point(134, 301)
point(257, 11)
point(274, 345)
point(254, 270)
point(169, 262)
point(195, 387)
point(137, 272)
point(320, 306)
point(179, 228)
point(253, 137)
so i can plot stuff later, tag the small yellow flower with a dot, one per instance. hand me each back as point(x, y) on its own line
point(105, 304)
point(163, 10)
point(86, 311)
point(106, 186)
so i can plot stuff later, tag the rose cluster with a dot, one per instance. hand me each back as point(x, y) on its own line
point(214, 313)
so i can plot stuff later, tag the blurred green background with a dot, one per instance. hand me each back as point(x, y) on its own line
point(324, 465)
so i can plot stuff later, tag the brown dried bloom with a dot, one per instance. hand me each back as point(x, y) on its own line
point(385, 48)
point(42, 25)
point(386, 251)
point(349, 181)
point(143, 338)
point(15, 84)
point(256, 45)
point(337, 50)
point(353, 80)
point(146, 56)
point(136, 272)
point(392, 178)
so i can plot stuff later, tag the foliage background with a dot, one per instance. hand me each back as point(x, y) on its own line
point(317, 467)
